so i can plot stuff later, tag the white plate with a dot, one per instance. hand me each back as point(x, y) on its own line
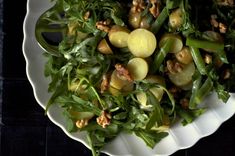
point(179, 137)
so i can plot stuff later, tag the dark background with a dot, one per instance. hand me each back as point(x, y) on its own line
point(25, 131)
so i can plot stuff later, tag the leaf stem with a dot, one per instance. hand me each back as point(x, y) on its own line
point(204, 44)
point(103, 104)
point(91, 144)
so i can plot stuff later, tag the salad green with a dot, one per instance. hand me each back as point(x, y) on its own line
point(139, 73)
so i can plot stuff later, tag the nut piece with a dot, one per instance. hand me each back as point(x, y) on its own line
point(213, 21)
point(184, 103)
point(174, 66)
point(104, 119)
point(222, 28)
point(103, 25)
point(123, 72)
point(184, 56)
point(105, 83)
point(137, 6)
point(154, 10)
point(175, 91)
point(207, 59)
point(82, 123)
point(225, 2)
point(226, 74)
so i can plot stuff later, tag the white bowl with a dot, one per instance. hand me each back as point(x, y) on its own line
point(180, 137)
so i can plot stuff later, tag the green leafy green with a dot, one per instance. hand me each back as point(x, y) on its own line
point(151, 137)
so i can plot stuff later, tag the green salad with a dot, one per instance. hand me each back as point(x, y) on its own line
point(136, 66)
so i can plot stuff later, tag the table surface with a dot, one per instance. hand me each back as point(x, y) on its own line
point(24, 130)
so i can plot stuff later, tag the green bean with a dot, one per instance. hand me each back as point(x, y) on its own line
point(195, 88)
point(186, 115)
point(159, 58)
point(200, 93)
point(204, 90)
point(204, 44)
point(198, 60)
point(159, 21)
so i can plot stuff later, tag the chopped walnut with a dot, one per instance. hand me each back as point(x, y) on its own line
point(103, 25)
point(87, 15)
point(137, 6)
point(174, 66)
point(82, 123)
point(222, 28)
point(207, 59)
point(105, 83)
point(155, 9)
point(225, 2)
point(175, 91)
point(123, 72)
point(184, 103)
point(226, 74)
point(213, 21)
point(104, 119)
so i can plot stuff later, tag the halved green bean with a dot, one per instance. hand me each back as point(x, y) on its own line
point(204, 44)
point(198, 60)
point(155, 27)
point(204, 90)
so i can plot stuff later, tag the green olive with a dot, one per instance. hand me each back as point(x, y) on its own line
point(142, 43)
point(184, 55)
point(134, 19)
point(104, 48)
point(176, 19)
point(157, 92)
point(138, 68)
point(183, 77)
point(144, 23)
point(177, 42)
point(118, 36)
point(117, 81)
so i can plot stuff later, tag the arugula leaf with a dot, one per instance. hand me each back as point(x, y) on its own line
point(70, 123)
point(151, 138)
point(156, 116)
point(222, 94)
point(86, 105)
point(58, 91)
